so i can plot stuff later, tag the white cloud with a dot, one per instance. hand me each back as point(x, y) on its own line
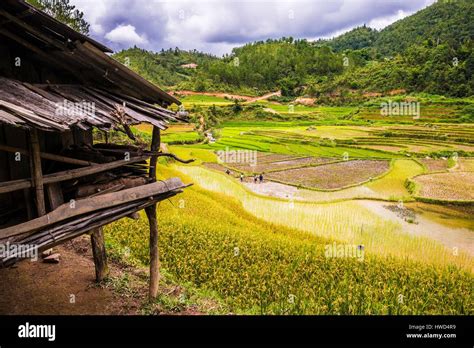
point(127, 35)
point(218, 25)
point(379, 23)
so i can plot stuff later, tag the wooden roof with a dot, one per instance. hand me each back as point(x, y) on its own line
point(100, 79)
point(59, 107)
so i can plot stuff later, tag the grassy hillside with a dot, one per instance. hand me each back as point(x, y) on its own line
point(163, 68)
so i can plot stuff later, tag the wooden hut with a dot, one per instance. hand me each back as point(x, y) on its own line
point(56, 86)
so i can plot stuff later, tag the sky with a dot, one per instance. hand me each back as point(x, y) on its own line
point(216, 26)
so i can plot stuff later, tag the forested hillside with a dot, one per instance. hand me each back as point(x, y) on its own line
point(430, 51)
point(164, 68)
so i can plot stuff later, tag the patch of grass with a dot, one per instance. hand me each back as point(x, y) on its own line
point(200, 99)
point(393, 184)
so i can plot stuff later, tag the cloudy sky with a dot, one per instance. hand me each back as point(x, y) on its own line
point(216, 26)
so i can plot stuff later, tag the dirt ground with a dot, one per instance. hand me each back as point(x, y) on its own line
point(37, 288)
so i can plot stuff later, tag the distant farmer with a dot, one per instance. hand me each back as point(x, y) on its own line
point(227, 172)
point(241, 177)
point(255, 179)
point(261, 178)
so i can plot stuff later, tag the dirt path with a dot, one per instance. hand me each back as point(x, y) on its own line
point(37, 288)
point(246, 98)
point(265, 96)
point(69, 288)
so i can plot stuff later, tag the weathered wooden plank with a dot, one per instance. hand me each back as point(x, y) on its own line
point(154, 252)
point(30, 116)
point(92, 189)
point(152, 221)
point(152, 115)
point(37, 172)
point(10, 119)
point(31, 29)
point(97, 168)
point(137, 116)
point(55, 195)
point(48, 156)
point(15, 185)
point(130, 75)
point(87, 205)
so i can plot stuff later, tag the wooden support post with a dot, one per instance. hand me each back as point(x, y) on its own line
point(55, 195)
point(155, 147)
point(154, 252)
point(100, 256)
point(151, 215)
point(37, 173)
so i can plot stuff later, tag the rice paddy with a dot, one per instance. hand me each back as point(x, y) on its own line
point(262, 257)
point(263, 247)
point(455, 186)
point(333, 176)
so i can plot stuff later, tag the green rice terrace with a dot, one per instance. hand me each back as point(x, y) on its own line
point(398, 188)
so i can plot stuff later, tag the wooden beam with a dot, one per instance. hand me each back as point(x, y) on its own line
point(37, 173)
point(15, 185)
point(47, 156)
point(19, 16)
point(155, 146)
point(55, 195)
point(37, 33)
point(154, 252)
point(87, 205)
point(97, 168)
point(99, 254)
point(152, 221)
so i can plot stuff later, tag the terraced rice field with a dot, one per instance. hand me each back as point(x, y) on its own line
point(345, 221)
point(466, 164)
point(333, 176)
point(255, 266)
point(268, 167)
point(277, 228)
point(434, 165)
point(265, 157)
point(454, 186)
point(427, 113)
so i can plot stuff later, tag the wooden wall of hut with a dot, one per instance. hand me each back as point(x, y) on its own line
point(14, 167)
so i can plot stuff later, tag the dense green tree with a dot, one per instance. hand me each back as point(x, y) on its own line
point(63, 11)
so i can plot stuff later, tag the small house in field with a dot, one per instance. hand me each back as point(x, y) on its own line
point(189, 66)
point(56, 183)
